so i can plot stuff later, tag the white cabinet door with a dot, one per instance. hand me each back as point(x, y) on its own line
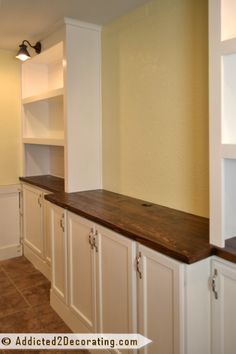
point(33, 219)
point(159, 302)
point(82, 270)
point(47, 233)
point(224, 308)
point(116, 285)
point(59, 252)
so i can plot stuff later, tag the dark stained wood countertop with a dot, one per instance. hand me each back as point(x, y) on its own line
point(50, 183)
point(229, 251)
point(180, 235)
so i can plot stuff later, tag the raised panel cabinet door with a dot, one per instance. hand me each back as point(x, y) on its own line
point(159, 302)
point(116, 282)
point(33, 219)
point(82, 270)
point(224, 308)
point(59, 252)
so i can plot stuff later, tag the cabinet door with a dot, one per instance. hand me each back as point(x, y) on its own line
point(116, 284)
point(33, 219)
point(82, 270)
point(159, 302)
point(47, 233)
point(224, 308)
point(59, 252)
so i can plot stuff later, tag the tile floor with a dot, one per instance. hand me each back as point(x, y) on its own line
point(24, 303)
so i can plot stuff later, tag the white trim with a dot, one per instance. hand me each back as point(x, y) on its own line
point(37, 262)
point(11, 251)
point(77, 23)
point(11, 188)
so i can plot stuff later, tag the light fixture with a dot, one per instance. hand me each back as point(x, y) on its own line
point(23, 53)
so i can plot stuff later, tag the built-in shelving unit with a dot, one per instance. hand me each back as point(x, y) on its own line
point(222, 80)
point(43, 113)
point(61, 133)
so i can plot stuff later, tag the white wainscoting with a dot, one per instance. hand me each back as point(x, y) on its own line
point(10, 226)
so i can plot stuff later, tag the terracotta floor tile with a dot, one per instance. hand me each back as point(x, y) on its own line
point(38, 295)
point(6, 286)
point(21, 322)
point(27, 310)
point(10, 303)
point(17, 265)
point(27, 280)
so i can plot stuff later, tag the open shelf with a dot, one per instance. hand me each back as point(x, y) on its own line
point(229, 198)
point(45, 141)
point(43, 121)
point(228, 151)
point(44, 96)
point(43, 74)
point(43, 160)
point(228, 46)
point(228, 99)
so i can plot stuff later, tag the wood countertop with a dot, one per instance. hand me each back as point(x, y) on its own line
point(50, 183)
point(177, 234)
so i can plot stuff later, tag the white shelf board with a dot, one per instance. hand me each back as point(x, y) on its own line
point(228, 46)
point(44, 141)
point(43, 96)
point(228, 151)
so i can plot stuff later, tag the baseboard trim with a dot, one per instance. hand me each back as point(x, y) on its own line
point(38, 262)
point(71, 319)
point(11, 251)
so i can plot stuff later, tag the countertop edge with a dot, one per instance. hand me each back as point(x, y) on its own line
point(142, 240)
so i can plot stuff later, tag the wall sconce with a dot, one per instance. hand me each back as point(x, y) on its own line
point(23, 53)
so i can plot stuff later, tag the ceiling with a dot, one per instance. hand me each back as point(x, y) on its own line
point(26, 19)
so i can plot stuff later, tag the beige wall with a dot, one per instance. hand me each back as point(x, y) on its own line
point(155, 104)
point(9, 118)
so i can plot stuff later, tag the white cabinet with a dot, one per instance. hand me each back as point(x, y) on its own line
point(33, 219)
point(116, 282)
point(223, 307)
point(82, 271)
point(60, 104)
point(112, 288)
point(59, 253)
point(159, 302)
point(102, 277)
point(36, 235)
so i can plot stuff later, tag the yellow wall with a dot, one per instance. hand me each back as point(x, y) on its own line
point(155, 104)
point(9, 118)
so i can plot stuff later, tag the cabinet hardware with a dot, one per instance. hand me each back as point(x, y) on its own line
point(213, 284)
point(95, 241)
point(19, 192)
point(91, 236)
point(39, 200)
point(138, 259)
point(62, 223)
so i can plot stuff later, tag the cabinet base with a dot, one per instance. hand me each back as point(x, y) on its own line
point(38, 263)
point(70, 318)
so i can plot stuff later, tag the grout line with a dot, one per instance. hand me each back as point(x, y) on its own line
point(18, 290)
